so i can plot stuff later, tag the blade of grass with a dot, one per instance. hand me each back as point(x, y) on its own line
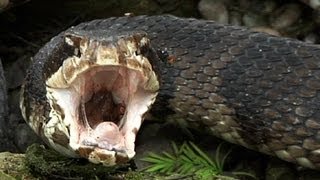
point(155, 168)
point(185, 158)
point(159, 157)
point(220, 163)
point(169, 155)
point(244, 174)
point(175, 148)
point(166, 169)
point(202, 154)
point(151, 160)
point(217, 155)
point(187, 169)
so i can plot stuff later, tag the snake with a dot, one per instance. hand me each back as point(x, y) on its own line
point(90, 88)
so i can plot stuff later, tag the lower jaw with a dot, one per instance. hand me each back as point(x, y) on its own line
point(105, 157)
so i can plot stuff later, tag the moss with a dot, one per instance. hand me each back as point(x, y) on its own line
point(48, 163)
point(42, 162)
point(6, 176)
point(12, 166)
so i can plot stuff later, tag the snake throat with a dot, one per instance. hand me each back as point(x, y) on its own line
point(99, 96)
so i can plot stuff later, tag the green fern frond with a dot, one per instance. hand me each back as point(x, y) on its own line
point(188, 159)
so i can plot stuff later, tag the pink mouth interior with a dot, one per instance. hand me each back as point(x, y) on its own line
point(109, 107)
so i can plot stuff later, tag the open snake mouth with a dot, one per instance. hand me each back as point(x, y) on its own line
point(99, 96)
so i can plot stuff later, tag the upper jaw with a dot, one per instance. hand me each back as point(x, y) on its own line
point(123, 63)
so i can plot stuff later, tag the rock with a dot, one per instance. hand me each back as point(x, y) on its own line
point(279, 18)
point(316, 17)
point(300, 29)
point(3, 4)
point(24, 137)
point(286, 16)
point(269, 6)
point(262, 7)
point(252, 20)
point(311, 38)
point(3, 103)
point(314, 4)
point(5, 143)
point(14, 103)
point(244, 4)
point(214, 10)
point(17, 131)
point(235, 18)
point(16, 72)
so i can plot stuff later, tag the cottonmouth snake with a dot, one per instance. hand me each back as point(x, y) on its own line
point(248, 88)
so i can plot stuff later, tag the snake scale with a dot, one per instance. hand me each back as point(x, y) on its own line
point(249, 88)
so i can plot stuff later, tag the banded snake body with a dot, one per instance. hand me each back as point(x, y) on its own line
point(89, 88)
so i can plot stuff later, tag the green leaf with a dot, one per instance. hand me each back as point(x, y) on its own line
point(155, 168)
point(151, 160)
point(159, 157)
point(189, 152)
point(190, 168)
point(170, 156)
point(202, 154)
point(206, 173)
point(166, 169)
point(185, 169)
point(220, 164)
point(175, 148)
point(185, 158)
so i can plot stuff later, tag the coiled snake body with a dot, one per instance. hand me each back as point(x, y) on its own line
point(248, 88)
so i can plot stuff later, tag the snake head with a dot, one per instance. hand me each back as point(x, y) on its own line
point(99, 95)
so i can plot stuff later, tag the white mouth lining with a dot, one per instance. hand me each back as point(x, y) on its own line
point(137, 104)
